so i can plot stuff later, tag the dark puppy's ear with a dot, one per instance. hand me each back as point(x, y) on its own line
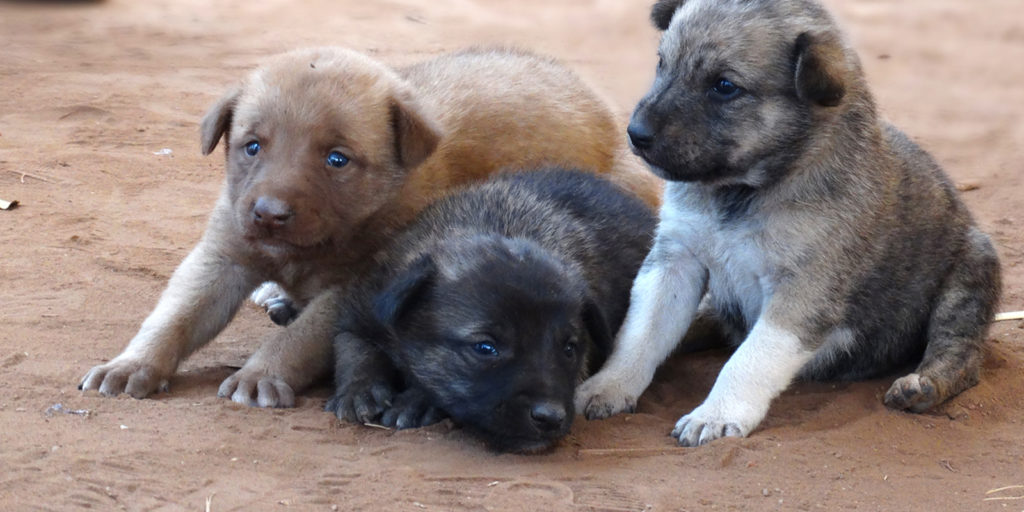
point(403, 292)
point(600, 335)
point(662, 12)
point(217, 120)
point(416, 136)
point(821, 69)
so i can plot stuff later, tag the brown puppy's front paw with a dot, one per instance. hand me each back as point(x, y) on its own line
point(256, 389)
point(913, 392)
point(125, 376)
point(412, 409)
point(361, 403)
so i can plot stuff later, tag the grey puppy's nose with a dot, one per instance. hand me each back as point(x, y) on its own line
point(640, 135)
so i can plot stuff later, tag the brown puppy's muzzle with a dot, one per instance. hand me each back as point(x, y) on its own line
point(271, 214)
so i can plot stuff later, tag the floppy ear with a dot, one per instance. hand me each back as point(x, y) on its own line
point(662, 12)
point(416, 136)
point(600, 334)
point(820, 69)
point(403, 292)
point(217, 120)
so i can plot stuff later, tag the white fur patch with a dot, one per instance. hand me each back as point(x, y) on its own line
point(760, 369)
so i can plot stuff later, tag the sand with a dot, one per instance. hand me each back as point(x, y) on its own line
point(99, 107)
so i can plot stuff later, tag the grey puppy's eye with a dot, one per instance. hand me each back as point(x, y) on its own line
point(725, 90)
point(252, 148)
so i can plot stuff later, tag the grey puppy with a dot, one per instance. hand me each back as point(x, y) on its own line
point(821, 240)
point(492, 307)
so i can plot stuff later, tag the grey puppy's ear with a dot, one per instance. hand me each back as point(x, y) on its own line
point(820, 69)
point(416, 135)
point(403, 292)
point(662, 12)
point(217, 121)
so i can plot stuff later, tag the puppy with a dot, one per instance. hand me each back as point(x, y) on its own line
point(328, 153)
point(829, 245)
point(492, 307)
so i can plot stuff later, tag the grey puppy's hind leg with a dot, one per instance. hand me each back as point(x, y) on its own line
point(956, 330)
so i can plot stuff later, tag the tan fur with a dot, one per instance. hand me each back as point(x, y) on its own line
point(284, 215)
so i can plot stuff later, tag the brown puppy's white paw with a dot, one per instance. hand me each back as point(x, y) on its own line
point(253, 388)
point(129, 376)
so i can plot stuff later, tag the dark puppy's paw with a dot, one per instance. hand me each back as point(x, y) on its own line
point(411, 409)
point(361, 402)
point(913, 392)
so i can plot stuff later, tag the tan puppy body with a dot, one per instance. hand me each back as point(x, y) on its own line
point(328, 152)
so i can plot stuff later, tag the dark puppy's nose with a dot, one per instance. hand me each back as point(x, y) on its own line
point(271, 212)
point(640, 135)
point(548, 416)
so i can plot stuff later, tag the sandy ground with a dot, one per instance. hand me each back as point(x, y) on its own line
point(90, 93)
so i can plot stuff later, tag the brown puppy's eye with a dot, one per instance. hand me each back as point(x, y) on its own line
point(252, 148)
point(337, 159)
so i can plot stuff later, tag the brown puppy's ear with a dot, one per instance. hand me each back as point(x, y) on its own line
point(662, 12)
point(416, 136)
point(217, 120)
point(820, 69)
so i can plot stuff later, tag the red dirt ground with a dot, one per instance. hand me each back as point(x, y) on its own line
point(89, 92)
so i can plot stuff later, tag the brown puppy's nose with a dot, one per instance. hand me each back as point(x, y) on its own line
point(640, 135)
point(547, 416)
point(270, 212)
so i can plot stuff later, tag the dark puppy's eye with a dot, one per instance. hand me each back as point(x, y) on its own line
point(725, 90)
point(337, 159)
point(485, 349)
point(571, 348)
point(661, 62)
point(252, 148)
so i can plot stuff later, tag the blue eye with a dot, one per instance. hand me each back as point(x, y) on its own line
point(336, 159)
point(725, 90)
point(485, 349)
point(252, 148)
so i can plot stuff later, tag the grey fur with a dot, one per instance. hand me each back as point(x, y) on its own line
point(854, 240)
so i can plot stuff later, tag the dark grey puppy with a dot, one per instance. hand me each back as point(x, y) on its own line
point(492, 307)
point(826, 244)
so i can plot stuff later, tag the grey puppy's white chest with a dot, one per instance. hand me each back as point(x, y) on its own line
point(731, 251)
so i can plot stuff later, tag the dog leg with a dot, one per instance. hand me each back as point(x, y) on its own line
point(663, 302)
point(956, 331)
point(760, 369)
point(202, 296)
point(288, 360)
point(281, 308)
point(412, 409)
point(365, 380)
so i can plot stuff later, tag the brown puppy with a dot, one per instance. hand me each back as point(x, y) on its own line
point(823, 241)
point(328, 153)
